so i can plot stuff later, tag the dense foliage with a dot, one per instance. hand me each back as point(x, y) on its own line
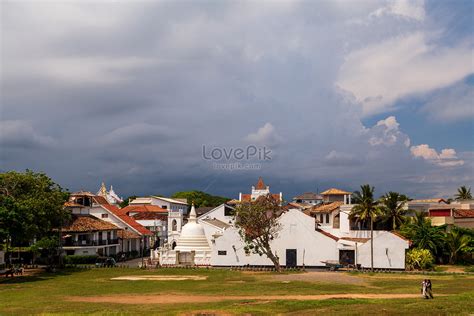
point(31, 206)
point(201, 198)
point(419, 259)
point(78, 259)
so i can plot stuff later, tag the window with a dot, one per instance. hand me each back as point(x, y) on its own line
point(164, 207)
point(321, 218)
point(105, 215)
point(222, 252)
point(327, 218)
point(228, 211)
point(174, 225)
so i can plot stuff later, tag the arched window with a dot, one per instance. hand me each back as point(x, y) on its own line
point(174, 225)
point(327, 218)
point(173, 245)
point(321, 218)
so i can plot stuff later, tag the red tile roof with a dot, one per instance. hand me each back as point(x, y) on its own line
point(327, 234)
point(87, 223)
point(463, 213)
point(127, 219)
point(150, 216)
point(143, 208)
point(248, 197)
point(260, 184)
point(334, 191)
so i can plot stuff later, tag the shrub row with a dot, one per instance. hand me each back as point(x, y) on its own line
point(78, 259)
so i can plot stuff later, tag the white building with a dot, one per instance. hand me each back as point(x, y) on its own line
point(110, 195)
point(163, 202)
point(259, 190)
point(303, 241)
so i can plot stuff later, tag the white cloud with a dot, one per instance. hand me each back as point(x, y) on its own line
point(381, 73)
point(446, 158)
point(266, 135)
point(386, 132)
point(411, 9)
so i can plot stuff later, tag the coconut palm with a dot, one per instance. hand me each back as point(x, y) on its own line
point(422, 234)
point(366, 209)
point(392, 205)
point(463, 193)
point(456, 243)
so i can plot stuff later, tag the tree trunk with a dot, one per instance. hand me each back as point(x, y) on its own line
point(274, 259)
point(371, 244)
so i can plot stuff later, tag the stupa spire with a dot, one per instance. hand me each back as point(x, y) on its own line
point(192, 214)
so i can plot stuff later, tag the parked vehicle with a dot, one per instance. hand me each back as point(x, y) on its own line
point(102, 262)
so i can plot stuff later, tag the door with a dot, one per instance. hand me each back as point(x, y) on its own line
point(346, 257)
point(290, 257)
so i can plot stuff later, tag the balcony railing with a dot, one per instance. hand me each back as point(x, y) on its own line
point(78, 243)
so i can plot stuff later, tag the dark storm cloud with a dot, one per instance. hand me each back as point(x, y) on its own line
point(128, 93)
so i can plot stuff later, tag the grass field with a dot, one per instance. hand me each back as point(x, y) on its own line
point(58, 293)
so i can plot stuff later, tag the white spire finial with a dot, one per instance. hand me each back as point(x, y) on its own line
point(192, 214)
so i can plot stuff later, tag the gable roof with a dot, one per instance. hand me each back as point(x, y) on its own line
point(326, 208)
point(334, 191)
point(260, 184)
point(149, 216)
point(127, 220)
point(308, 196)
point(86, 223)
point(433, 200)
point(203, 210)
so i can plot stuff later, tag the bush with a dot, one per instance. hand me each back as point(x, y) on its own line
point(419, 259)
point(77, 259)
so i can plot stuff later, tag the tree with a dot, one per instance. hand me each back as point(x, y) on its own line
point(456, 243)
point(392, 205)
point(31, 206)
point(127, 201)
point(201, 198)
point(422, 234)
point(366, 209)
point(258, 224)
point(463, 193)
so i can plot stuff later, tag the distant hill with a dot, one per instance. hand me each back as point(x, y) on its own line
point(201, 198)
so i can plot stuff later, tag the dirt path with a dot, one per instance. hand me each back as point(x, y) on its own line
point(179, 298)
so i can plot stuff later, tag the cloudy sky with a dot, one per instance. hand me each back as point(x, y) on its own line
point(342, 93)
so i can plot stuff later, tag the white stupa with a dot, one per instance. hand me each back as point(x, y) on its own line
point(193, 237)
point(192, 247)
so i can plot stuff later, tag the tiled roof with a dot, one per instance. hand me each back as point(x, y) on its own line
point(83, 193)
point(203, 210)
point(143, 208)
point(248, 197)
point(127, 219)
point(233, 202)
point(216, 222)
point(463, 213)
point(72, 204)
point(334, 191)
point(150, 216)
point(308, 196)
point(326, 208)
point(86, 223)
point(100, 200)
point(327, 234)
point(260, 184)
point(126, 234)
point(363, 240)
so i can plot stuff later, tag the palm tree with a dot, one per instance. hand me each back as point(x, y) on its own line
point(422, 234)
point(456, 243)
point(392, 205)
point(463, 193)
point(366, 209)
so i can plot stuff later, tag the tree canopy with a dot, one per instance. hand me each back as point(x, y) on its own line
point(201, 198)
point(31, 206)
point(258, 224)
point(463, 193)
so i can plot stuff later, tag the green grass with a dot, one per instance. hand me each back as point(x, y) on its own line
point(45, 293)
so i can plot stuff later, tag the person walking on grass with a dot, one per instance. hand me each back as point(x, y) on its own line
point(429, 290)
